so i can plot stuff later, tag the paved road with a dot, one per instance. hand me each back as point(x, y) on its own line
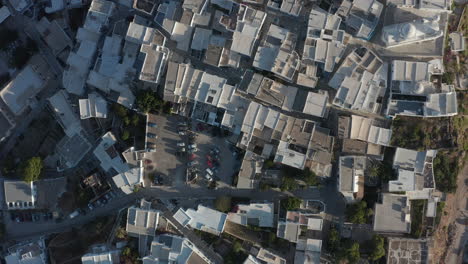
point(20, 231)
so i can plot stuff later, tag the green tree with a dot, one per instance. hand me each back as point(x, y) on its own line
point(135, 120)
point(291, 203)
point(358, 213)
point(236, 246)
point(167, 108)
point(333, 240)
point(148, 101)
point(269, 164)
point(126, 252)
point(31, 169)
point(126, 121)
point(288, 183)
point(378, 249)
point(352, 253)
point(120, 110)
point(121, 233)
point(223, 203)
point(125, 135)
point(310, 177)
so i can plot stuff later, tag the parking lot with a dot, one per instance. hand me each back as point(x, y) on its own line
point(182, 145)
point(214, 153)
point(163, 162)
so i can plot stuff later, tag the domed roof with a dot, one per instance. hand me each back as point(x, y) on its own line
point(407, 30)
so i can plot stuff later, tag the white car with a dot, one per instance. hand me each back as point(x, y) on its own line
point(192, 146)
point(209, 174)
point(181, 144)
point(208, 177)
point(192, 163)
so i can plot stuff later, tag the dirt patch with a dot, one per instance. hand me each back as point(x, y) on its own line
point(68, 247)
point(242, 232)
point(447, 238)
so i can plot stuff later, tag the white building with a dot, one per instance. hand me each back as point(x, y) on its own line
point(20, 195)
point(365, 129)
point(256, 214)
point(4, 14)
point(19, 93)
point(71, 149)
point(413, 93)
point(203, 219)
point(79, 61)
point(129, 179)
point(30, 252)
point(324, 40)
point(392, 215)
point(168, 248)
point(108, 155)
point(100, 255)
point(141, 221)
point(351, 177)
point(95, 106)
point(411, 32)
point(247, 30)
point(277, 55)
point(415, 173)
point(361, 81)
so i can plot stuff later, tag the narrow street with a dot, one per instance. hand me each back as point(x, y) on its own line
point(21, 231)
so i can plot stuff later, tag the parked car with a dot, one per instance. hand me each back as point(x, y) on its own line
point(182, 133)
point(36, 217)
point(215, 150)
point(90, 206)
point(180, 144)
point(190, 151)
point(151, 135)
point(208, 177)
point(154, 125)
point(209, 174)
point(192, 146)
point(74, 214)
point(192, 163)
point(183, 123)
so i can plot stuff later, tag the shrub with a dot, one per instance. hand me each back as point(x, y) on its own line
point(125, 135)
point(148, 101)
point(445, 173)
point(31, 169)
point(378, 249)
point(291, 203)
point(269, 164)
point(358, 213)
point(288, 183)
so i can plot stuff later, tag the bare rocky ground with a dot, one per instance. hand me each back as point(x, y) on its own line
point(452, 232)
